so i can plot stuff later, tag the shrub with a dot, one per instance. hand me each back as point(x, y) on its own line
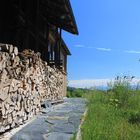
point(75, 93)
point(69, 94)
point(78, 93)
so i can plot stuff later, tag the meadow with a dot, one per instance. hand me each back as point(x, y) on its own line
point(113, 114)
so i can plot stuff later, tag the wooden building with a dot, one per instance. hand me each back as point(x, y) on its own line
point(38, 25)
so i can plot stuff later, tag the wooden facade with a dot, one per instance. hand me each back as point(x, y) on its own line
point(38, 25)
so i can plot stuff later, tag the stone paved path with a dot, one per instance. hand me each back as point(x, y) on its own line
point(59, 122)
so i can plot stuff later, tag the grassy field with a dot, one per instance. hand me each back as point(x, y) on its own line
point(112, 114)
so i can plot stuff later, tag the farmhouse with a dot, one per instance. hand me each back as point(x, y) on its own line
point(33, 56)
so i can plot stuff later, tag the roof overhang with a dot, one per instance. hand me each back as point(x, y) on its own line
point(60, 14)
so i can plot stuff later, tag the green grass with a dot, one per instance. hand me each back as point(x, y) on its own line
point(106, 122)
point(74, 137)
point(112, 114)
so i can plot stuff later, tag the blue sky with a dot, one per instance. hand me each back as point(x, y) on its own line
point(109, 39)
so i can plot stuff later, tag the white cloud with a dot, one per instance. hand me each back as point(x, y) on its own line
point(104, 49)
point(135, 81)
point(133, 51)
point(87, 83)
point(83, 46)
point(79, 46)
point(90, 47)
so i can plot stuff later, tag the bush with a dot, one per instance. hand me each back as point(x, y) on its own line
point(78, 93)
point(75, 93)
point(69, 94)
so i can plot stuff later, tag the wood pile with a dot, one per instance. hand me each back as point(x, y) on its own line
point(25, 82)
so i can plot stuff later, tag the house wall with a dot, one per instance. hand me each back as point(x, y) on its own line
point(26, 81)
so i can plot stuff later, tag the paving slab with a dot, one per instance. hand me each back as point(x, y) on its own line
point(59, 122)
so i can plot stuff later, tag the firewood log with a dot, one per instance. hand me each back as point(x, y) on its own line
point(15, 51)
point(4, 47)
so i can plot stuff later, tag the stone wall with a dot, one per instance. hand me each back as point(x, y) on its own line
point(25, 83)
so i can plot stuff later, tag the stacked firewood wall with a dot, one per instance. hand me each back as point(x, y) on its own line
point(25, 82)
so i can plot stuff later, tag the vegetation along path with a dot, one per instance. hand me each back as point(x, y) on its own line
point(59, 122)
point(113, 114)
